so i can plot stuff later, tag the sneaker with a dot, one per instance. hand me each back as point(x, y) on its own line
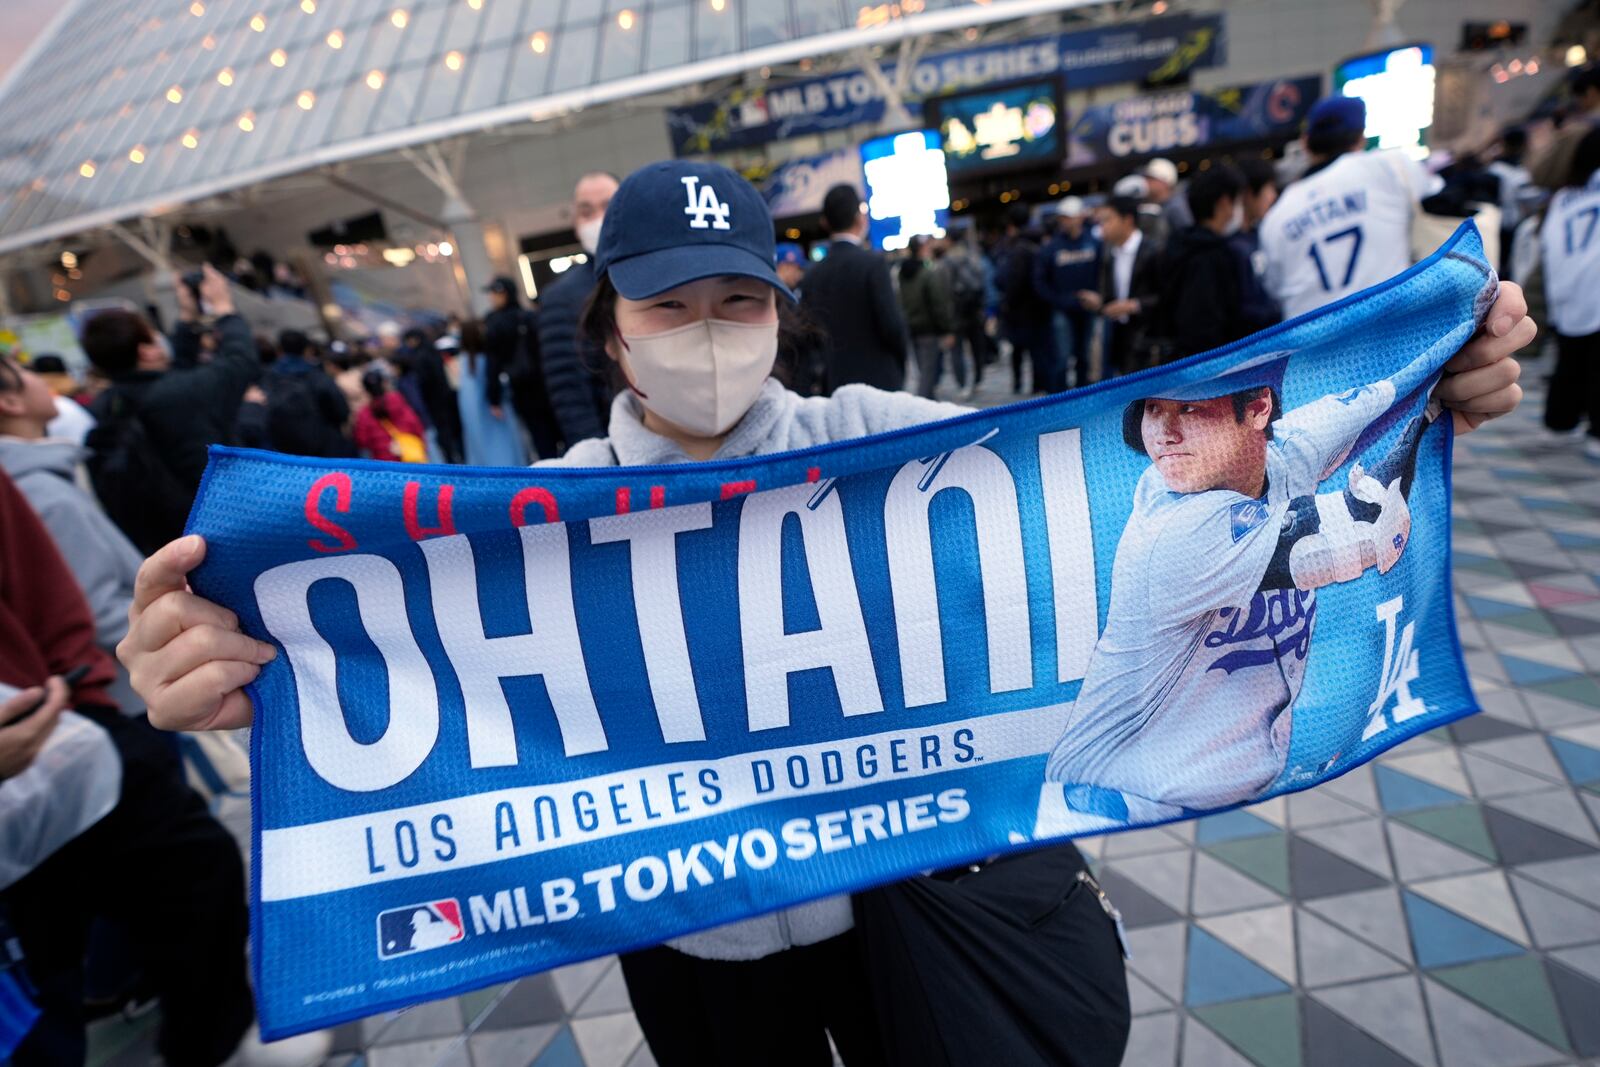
point(302, 1050)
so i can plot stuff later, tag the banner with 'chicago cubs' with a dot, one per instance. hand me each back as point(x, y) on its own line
point(522, 717)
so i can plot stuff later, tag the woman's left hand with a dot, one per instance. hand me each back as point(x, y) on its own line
point(1480, 381)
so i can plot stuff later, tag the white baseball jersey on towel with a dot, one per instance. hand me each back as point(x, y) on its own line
point(1342, 228)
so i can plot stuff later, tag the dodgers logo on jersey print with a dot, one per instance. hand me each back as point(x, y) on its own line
point(499, 738)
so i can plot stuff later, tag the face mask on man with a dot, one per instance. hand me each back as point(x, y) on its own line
point(703, 376)
point(589, 233)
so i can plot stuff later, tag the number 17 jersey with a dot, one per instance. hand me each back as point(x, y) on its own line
point(1342, 229)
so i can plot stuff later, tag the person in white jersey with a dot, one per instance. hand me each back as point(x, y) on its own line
point(1187, 703)
point(1346, 223)
point(1570, 240)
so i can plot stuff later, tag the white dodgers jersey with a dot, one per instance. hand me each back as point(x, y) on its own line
point(1342, 229)
point(1571, 241)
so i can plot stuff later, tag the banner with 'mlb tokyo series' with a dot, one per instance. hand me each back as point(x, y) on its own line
point(522, 717)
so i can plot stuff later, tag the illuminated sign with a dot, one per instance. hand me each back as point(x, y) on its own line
point(1397, 86)
point(908, 192)
point(1000, 129)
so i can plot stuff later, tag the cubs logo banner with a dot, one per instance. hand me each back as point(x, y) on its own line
point(522, 717)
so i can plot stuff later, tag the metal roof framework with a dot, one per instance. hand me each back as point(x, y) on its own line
point(129, 108)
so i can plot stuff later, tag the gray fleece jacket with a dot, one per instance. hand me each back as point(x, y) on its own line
point(101, 558)
point(777, 422)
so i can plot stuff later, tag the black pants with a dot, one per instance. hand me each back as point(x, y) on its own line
point(1080, 331)
point(1036, 340)
point(1575, 386)
point(166, 873)
point(777, 1011)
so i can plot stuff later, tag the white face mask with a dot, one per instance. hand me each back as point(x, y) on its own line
point(703, 376)
point(589, 233)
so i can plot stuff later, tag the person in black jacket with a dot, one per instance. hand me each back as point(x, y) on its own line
point(183, 405)
point(1256, 305)
point(1026, 317)
point(424, 365)
point(1202, 307)
point(306, 413)
point(511, 342)
point(573, 374)
point(850, 295)
point(1130, 288)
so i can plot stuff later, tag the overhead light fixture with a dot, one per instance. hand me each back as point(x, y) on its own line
point(308, 6)
point(175, 94)
point(719, 5)
point(446, 248)
point(625, 19)
point(86, 168)
point(453, 60)
point(225, 76)
point(374, 79)
point(136, 154)
point(335, 39)
point(258, 22)
point(399, 17)
point(1577, 55)
point(306, 100)
point(247, 121)
point(476, 5)
point(69, 260)
point(208, 42)
point(197, 9)
point(191, 138)
point(539, 42)
point(279, 57)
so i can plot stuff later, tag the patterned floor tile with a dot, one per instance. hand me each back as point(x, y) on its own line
point(1330, 1041)
point(1217, 973)
point(1266, 859)
point(1265, 936)
point(561, 1052)
point(609, 996)
point(1441, 767)
point(1202, 1047)
point(1519, 841)
point(1230, 826)
point(1390, 1010)
point(1219, 888)
point(607, 1040)
point(1485, 898)
point(1144, 998)
point(1165, 876)
point(532, 1001)
point(1362, 843)
point(1470, 1036)
point(1404, 792)
point(1556, 810)
point(1267, 1029)
point(1316, 872)
point(1138, 906)
point(1158, 954)
point(1376, 916)
point(1442, 938)
point(510, 1048)
point(1153, 1040)
point(1461, 825)
point(1329, 956)
point(1577, 995)
point(1515, 989)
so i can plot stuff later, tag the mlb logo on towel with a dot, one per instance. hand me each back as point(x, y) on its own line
point(419, 927)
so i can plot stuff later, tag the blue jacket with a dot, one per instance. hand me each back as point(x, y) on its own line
point(1257, 308)
point(1067, 266)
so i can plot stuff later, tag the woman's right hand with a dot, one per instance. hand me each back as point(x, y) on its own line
point(186, 656)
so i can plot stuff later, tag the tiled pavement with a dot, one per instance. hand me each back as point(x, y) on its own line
point(1440, 907)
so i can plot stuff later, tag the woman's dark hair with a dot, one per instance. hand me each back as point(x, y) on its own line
point(1585, 159)
point(798, 336)
point(1133, 415)
point(376, 383)
point(111, 340)
point(472, 342)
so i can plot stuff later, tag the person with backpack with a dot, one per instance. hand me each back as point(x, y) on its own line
point(387, 427)
point(963, 271)
point(926, 303)
point(306, 411)
point(511, 349)
point(163, 409)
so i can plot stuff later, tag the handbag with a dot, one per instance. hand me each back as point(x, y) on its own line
point(1016, 961)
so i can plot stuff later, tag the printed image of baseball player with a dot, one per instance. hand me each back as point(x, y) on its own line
point(1187, 700)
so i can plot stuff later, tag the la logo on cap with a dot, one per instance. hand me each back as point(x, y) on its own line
point(705, 211)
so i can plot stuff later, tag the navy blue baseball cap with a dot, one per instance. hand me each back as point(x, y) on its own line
point(789, 252)
point(1338, 114)
point(678, 221)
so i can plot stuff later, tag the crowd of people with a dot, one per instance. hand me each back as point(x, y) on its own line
point(606, 370)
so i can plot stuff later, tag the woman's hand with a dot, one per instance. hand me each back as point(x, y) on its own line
point(20, 741)
point(1480, 381)
point(186, 656)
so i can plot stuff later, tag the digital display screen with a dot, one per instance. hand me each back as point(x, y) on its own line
point(908, 191)
point(1397, 85)
point(1010, 128)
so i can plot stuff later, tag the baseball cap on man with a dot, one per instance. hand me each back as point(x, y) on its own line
point(1162, 170)
point(789, 252)
point(1070, 206)
point(678, 221)
point(502, 285)
point(1336, 115)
